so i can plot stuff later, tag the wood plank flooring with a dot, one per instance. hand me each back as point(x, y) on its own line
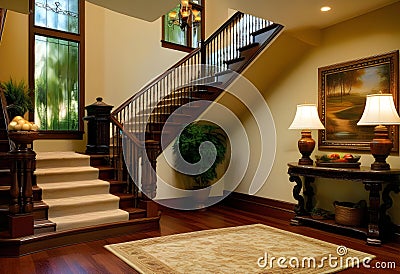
point(92, 257)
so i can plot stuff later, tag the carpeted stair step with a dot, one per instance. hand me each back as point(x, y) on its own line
point(90, 219)
point(75, 195)
point(65, 174)
point(61, 159)
point(81, 204)
point(74, 188)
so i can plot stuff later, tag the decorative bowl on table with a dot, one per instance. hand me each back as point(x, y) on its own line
point(336, 160)
point(23, 137)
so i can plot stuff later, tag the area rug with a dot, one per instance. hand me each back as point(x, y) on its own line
point(244, 249)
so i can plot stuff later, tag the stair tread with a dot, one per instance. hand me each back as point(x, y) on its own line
point(75, 184)
point(86, 199)
point(58, 155)
point(135, 210)
point(90, 218)
point(64, 170)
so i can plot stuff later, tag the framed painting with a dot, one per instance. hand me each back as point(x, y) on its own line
point(342, 94)
point(3, 13)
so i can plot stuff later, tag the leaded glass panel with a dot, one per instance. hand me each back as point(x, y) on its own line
point(56, 83)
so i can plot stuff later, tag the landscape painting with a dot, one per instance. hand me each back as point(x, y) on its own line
point(342, 94)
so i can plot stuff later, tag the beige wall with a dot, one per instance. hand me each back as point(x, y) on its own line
point(298, 83)
point(14, 48)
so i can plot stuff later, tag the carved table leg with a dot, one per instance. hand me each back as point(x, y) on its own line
point(387, 202)
point(309, 193)
point(299, 208)
point(374, 233)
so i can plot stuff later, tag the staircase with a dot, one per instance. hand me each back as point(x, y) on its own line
point(73, 192)
point(161, 109)
point(138, 127)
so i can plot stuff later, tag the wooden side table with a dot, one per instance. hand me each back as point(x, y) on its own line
point(379, 223)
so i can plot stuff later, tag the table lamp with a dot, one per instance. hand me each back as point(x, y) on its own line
point(380, 111)
point(306, 118)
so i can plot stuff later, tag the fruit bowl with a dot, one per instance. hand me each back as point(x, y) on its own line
point(335, 160)
point(23, 137)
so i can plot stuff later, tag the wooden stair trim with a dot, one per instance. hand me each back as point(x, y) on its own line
point(35, 243)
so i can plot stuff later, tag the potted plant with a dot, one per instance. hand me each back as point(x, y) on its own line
point(18, 98)
point(188, 144)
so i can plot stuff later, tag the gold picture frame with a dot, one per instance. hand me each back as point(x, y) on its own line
point(342, 93)
point(3, 13)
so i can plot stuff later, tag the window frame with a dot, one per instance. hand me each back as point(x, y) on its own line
point(174, 46)
point(80, 39)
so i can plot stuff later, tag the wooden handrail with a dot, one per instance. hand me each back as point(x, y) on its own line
point(179, 63)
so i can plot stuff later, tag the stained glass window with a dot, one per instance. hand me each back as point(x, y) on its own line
point(56, 83)
point(57, 69)
point(59, 15)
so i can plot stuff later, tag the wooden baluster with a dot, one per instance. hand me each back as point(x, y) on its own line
point(27, 192)
point(14, 207)
point(21, 204)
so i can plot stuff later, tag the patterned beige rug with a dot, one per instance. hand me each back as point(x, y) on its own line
point(244, 249)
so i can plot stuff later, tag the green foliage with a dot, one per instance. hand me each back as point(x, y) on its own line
point(18, 97)
point(189, 142)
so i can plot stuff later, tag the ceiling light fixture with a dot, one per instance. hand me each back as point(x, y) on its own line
point(325, 8)
point(186, 15)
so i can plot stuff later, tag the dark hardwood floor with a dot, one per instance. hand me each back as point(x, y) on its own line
point(92, 257)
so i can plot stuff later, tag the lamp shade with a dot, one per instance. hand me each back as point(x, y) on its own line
point(379, 110)
point(306, 118)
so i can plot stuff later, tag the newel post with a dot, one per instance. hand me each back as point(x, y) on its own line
point(22, 157)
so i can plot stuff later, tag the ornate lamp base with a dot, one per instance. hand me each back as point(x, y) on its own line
point(306, 146)
point(381, 146)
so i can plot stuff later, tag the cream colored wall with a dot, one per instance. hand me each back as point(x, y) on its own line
point(14, 48)
point(298, 83)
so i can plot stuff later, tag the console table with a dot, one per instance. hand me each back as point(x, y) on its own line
point(379, 223)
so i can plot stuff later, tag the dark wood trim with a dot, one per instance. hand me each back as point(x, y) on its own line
point(35, 243)
point(82, 60)
point(61, 134)
point(76, 37)
point(260, 205)
point(169, 45)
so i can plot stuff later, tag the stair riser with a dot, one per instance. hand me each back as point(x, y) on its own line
point(117, 188)
point(68, 192)
point(137, 215)
point(126, 203)
point(40, 213)
point(63, 210)
point(99, 161)
point(44, 229)
point(75, 176)
point(5, 178)
point(249, 52)
point(52, 163)
point(106, 174)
